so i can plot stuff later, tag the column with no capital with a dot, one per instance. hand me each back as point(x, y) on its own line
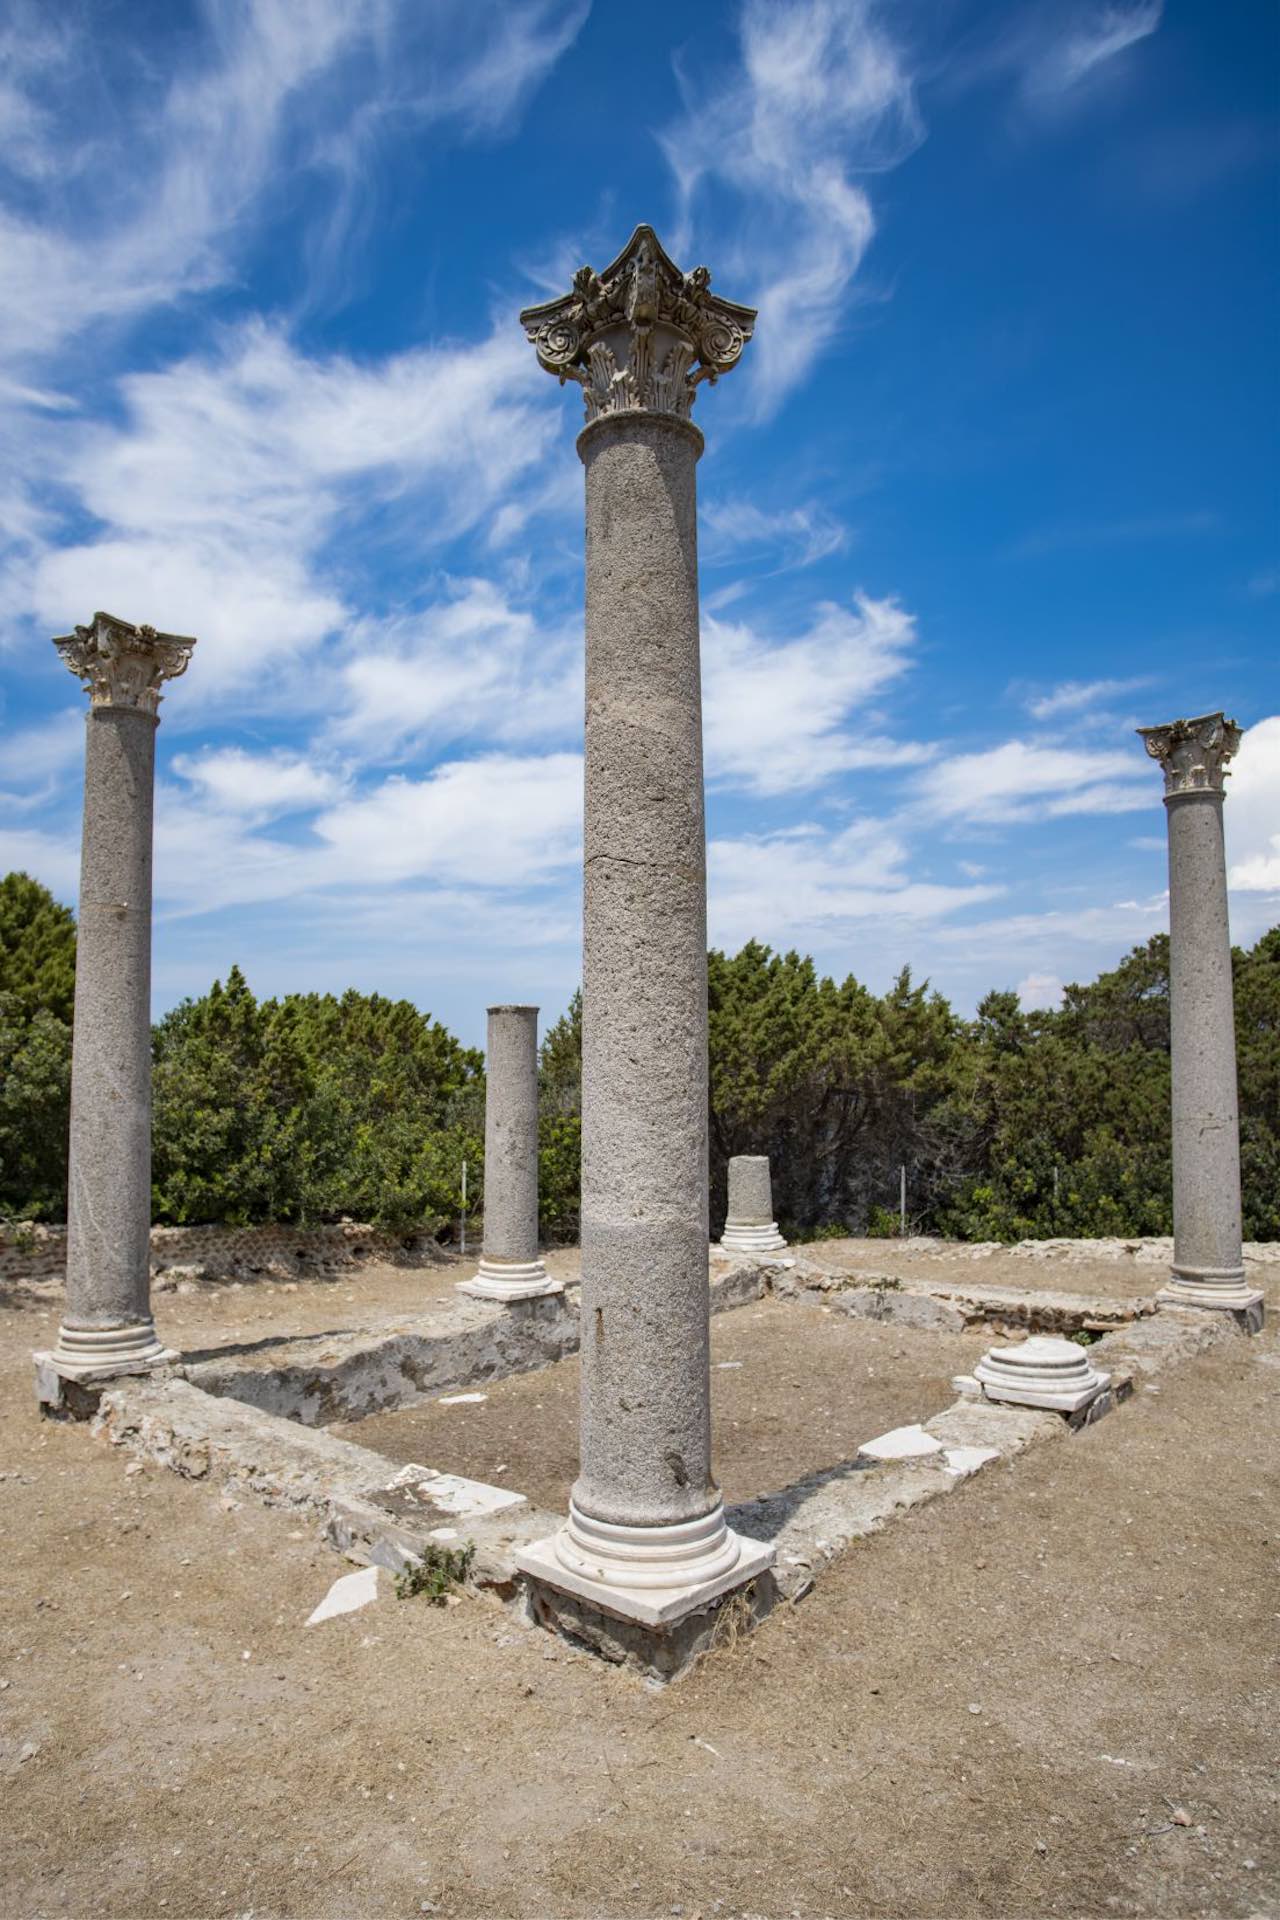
point(510, 1265)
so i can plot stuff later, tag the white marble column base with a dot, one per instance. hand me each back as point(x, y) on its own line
point(87, 1353)
point(654, 1575)
point(510, 1280)
point(1043, 1371)
point(1223, 1289)
point(744, 1236)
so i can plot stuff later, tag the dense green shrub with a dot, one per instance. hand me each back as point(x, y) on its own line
point(1010, 1125)
point(309, 1108)
point(37, 988)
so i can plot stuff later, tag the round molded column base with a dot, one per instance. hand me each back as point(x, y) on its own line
point(667, 1555)
point(1223, 1288)
point(743, 1236)
point(651, 1574)
point(85, 1351)
point(510, 1280)
point(1043, 1371)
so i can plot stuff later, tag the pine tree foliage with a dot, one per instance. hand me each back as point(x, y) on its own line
point(310, 1108)
point(37, 949)
point(1013, 1124)
point(37, 990)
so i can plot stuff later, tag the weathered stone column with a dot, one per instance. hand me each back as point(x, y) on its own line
point(1208, 1270)
point(749, 1223)
point(107, 1324)
point(646, 1536)
point(510, 1267)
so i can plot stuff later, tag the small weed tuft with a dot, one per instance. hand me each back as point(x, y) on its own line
point(436, 1574)
point(734, 1620)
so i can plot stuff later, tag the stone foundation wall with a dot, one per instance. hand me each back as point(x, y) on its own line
point(32, 1251)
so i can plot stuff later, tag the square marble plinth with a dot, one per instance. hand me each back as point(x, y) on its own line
point(1246, 1303)
point(76, 1390)
point(655, 1607)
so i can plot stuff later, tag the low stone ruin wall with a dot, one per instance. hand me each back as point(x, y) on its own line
point(29, 1250)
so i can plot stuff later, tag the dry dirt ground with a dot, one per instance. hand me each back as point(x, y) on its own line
point(951, 1262)
point(796, 1388)
point(1051, 1693)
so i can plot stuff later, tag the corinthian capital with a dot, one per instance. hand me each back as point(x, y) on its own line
point(640, 335)
point(123, 665)
point(1193, 753)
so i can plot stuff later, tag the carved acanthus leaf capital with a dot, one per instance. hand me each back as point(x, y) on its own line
point(1193, 753)
point(640, 335)
point(122, 665)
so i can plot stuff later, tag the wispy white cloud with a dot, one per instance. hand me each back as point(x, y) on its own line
point(786, 715)
point(496, 823)
point(516, 819)
point(1078, 696)
point(48, 856)
point(789, 536)
point(168, 175)
point(1039, 990)
point(218, 494)
point(209, 498)
point(1023, 780)
point(471, 664)
point(1077, 41)
point(31, 756)
point(499, 822)
point(1251, 816)
point(261, 786)
point(816, 888)
point(820, 92)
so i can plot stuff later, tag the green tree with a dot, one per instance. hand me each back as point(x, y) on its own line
point(560, 1127)
point(308, 1108)
point(37, 948)
point(37, 992)
point(35, 1102)
point(1256, 977)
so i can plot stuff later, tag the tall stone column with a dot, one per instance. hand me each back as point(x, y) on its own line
point(646, 1536)
point(107, 1324)
point(1208, 1270)
point(510, 1266)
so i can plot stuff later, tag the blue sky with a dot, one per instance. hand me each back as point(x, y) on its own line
point(994, 483)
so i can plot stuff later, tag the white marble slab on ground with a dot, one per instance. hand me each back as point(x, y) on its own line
point(452, 1493)
point(962, 1461)
point(348, 1595)
point(901, 1443)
